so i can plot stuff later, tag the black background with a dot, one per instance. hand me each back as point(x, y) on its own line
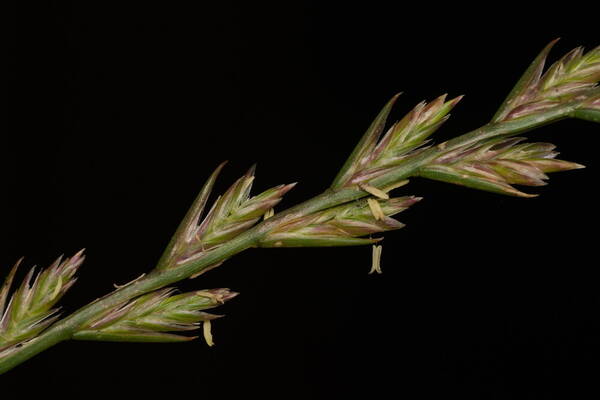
point(116, 113)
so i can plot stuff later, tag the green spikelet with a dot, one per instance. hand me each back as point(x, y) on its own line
point(154, 316)
point(30, 309)
point(339, 226)
point(231, 214)
point(374, 157)
point(573, 77)
point(495, 165)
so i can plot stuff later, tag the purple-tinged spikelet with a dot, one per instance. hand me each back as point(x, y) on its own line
point(30, 309)
point(154, 317)
point(497, 164)
point(340, 226)
point(375, 156)
point(572, 78)
point(231, 214)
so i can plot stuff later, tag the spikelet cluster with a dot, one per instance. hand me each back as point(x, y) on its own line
point(31, 307)
point(497, 164)
point(340, 226)
point(231, 214)
point(575, 75)
point(375, 156)
point(154, 316)
point(236, 211)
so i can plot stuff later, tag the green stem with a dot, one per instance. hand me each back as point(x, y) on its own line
point(588, 114)
point(65, 328)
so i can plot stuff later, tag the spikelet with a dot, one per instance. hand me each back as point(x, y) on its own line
point(154, 316)
point(231, 214)
point(375, 156)
point(235, 212)
point(340, 226)
point(30, 309)
point(497, 164)
point(574, 77)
